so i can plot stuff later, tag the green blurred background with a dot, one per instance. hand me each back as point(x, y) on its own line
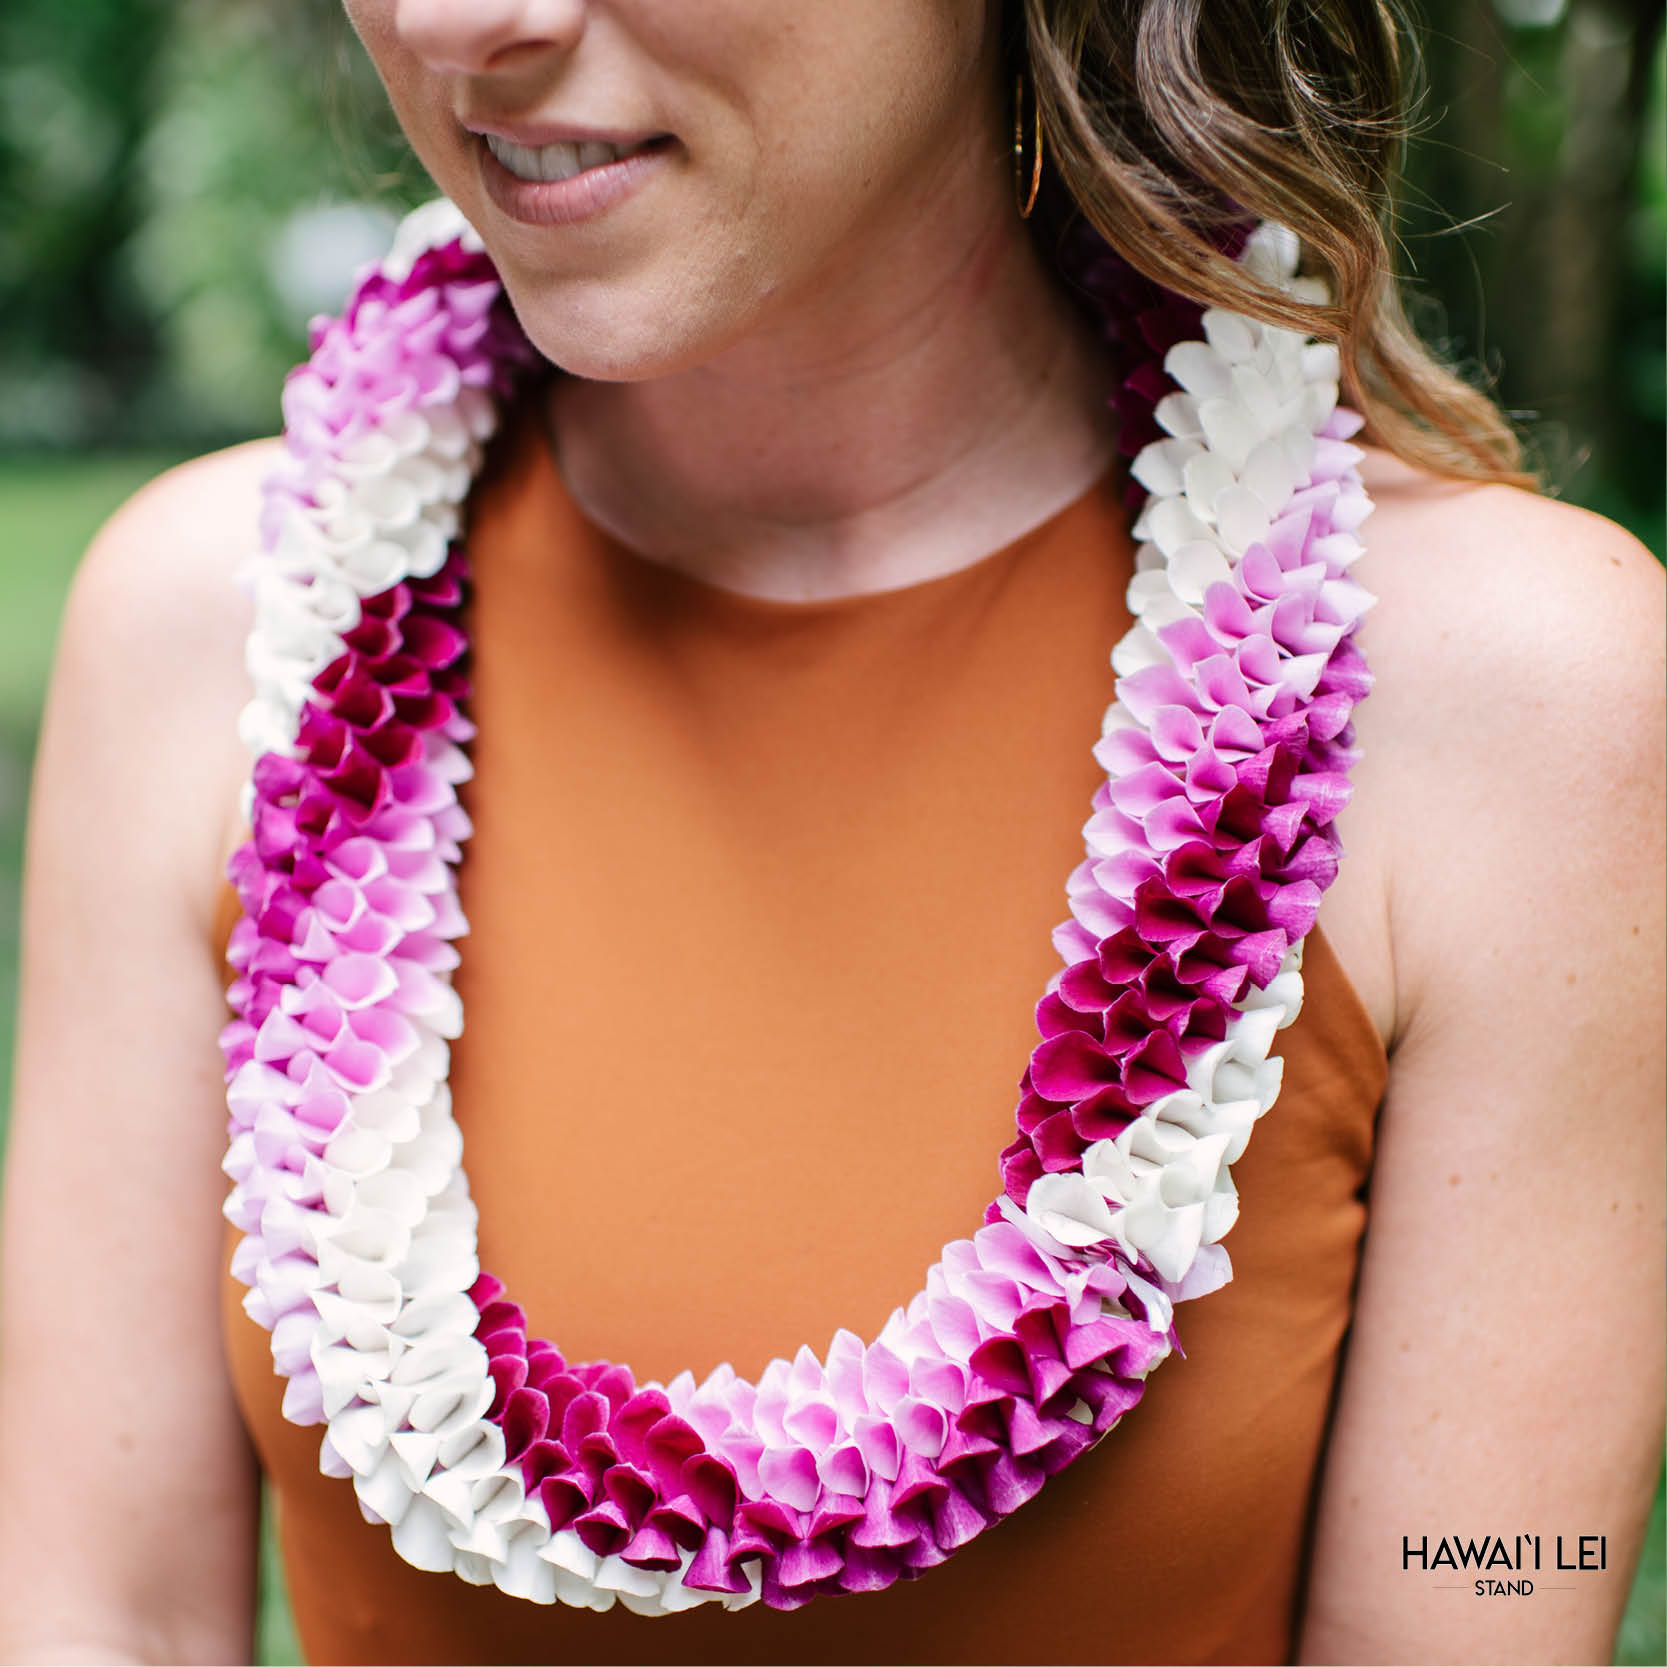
point(184, 182)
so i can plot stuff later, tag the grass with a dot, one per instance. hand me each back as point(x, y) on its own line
point(49, 509)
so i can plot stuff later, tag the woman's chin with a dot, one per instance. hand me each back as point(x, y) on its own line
point(621, 332)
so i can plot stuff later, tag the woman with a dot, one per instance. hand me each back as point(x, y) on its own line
point(814, 551)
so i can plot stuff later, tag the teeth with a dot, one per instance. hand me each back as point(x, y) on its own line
point(559, 161)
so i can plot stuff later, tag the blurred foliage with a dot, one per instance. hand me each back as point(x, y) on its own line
point(1534, 230)
point(1640, 1641)
point(77, 341)
point(153, 157)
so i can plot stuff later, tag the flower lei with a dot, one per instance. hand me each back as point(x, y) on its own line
point(1226, 754)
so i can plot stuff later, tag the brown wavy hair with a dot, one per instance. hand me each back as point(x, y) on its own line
point(1169, 121)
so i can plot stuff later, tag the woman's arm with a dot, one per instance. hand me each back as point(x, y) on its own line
point(1505, 1368)
point(127, 1530)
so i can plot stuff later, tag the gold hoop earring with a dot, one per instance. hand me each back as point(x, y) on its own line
point(1027, 181)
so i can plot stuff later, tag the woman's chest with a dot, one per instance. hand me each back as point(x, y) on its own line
point(760, 908)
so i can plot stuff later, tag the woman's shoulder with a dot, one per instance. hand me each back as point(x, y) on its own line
point(1508, 627)
point(1513, 735)
point(155, 603)
point(149, 668)
point(167, 555)
point(1489, 595)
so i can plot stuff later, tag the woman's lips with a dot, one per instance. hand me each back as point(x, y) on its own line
point(567, 202)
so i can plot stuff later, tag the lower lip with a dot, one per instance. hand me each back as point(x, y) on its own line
point(568, 202)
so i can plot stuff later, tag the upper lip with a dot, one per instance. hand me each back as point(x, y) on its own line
point(535, 135)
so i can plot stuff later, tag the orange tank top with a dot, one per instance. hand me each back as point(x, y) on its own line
point(760, 898)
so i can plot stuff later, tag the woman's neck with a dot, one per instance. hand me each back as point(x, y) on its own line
point(919, 412)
